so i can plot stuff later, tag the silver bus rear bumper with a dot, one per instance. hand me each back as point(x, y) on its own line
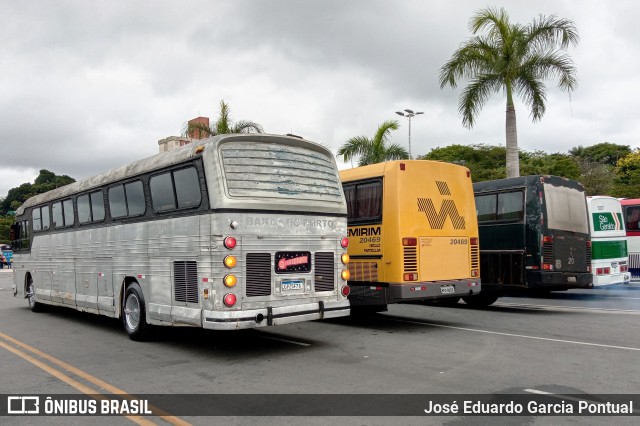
point(264, 317)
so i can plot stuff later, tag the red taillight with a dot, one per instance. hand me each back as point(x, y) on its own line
point(230, 242)
point(344, 242)
point(624, 268)
point(229, 299)
point(589, 243)
point(547, 238)
point(410, 241)
point(468, 173)
point(410, 277)
point(346, 290)
point(473, 241)
point(402, 166)
point(547, 267)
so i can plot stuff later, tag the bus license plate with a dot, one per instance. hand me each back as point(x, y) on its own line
point(291, 285)
point(447, 289)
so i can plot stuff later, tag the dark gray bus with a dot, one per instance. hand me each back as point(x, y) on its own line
point(534, 235)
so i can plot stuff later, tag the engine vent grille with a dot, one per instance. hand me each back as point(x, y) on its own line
point(324, 273)
point(258, 270)
point(410, 259)
point(185, 281)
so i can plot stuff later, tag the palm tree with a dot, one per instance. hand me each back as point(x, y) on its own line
point(223, 125)
point(511, 58)
point(374, 150)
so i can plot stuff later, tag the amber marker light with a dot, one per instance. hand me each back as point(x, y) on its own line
point(230, 261)
point(344, 258)
point(345, 274)
point(230, 280)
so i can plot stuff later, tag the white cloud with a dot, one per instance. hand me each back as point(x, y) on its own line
point(90, 86)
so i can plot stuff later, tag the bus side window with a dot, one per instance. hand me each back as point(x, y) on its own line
point(510, 206)
point(369, 201)
point(486, 207)
point(632, 218)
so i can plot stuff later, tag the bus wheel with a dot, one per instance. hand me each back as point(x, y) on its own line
point(133, 313)
point(480, 301)
point(31, 297)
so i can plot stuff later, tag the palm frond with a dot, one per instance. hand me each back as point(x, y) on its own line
point(546, 31)
point(494, 20)
point(475, 95)
point(477, 55)
point(532, 90)
point(396, 152)
point(382, 134)
point(245, 126)
point(355, 146)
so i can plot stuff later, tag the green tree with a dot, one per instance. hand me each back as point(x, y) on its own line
point(596, 177)
point(514, 59)
point(223, 125)
point(627, 180)
point(606, 152)
point(375, 150)
point(46, 181)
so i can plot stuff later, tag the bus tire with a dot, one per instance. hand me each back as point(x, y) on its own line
point(134, 316)
point(31, 297)
point(480, 301)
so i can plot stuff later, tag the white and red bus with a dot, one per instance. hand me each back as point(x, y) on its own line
point(631, 213)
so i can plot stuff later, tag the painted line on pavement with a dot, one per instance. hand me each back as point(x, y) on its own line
point(86, 376)
point(568, 308)
point(523, 336)
point(68, 380)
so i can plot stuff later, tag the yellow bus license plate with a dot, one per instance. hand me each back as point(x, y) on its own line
point(447, 289)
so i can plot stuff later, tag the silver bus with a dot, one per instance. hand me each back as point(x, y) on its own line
point(232, 232)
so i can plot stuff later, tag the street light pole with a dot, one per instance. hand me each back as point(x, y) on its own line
point(409, 114)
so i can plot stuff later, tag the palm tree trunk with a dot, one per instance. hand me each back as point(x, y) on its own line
point(513, 162)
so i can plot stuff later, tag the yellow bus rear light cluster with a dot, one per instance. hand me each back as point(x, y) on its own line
point(345, 274)
point(409, 241)
point(230, 261)
point(230, 280)
point(475, 273)
point(410, 277)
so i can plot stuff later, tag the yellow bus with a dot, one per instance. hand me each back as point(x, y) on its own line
point(413, 233)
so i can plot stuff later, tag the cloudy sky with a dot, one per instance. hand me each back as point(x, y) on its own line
point(88, 86)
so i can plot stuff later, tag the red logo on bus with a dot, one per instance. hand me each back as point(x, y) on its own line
point(300, 260)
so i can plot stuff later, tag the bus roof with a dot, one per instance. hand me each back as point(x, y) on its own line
point(159, 161)
point(380, 169)
point(629, 201)
point(532, 180)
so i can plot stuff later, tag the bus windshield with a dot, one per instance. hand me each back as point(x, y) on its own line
point(566, 209)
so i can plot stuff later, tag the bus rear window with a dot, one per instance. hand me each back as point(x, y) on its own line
point(271, 170)
point(566, 209)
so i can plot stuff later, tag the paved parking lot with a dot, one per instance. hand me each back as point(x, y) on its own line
point(575, 342)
